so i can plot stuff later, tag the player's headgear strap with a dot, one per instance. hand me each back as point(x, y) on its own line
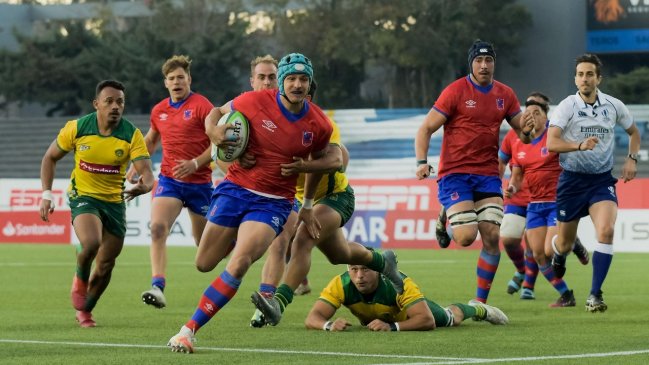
point(481, 48)
point(294, 63)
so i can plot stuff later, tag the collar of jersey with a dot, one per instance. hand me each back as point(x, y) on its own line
point(482, 89)
point(287, 113)
point(585, 104)
point(178, 104)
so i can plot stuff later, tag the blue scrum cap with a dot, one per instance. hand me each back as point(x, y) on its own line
point(294, 63)
point(481, 48)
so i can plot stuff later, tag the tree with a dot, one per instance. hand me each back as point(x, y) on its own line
point(632, 87)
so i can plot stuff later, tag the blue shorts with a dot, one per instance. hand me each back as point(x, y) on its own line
point(455, 188)
point(196, 197)
point(541, 215)
point(577, 192)
point(515, 209)
point(233, 205)
point(296, 206)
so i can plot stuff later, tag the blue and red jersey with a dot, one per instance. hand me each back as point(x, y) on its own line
point(276, 136)
point(182, 130)
point(474, 114)
point(541, 168)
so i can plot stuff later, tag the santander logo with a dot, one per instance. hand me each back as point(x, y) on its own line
point(16, 230)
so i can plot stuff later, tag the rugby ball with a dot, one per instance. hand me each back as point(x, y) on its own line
point(241, 131)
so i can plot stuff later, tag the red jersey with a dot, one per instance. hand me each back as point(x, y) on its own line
point(182, 130)
point(522, 197)
point(471, 131)
point(276, 135)
point(541, 168)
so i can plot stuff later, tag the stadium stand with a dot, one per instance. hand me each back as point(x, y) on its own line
point(380, 142)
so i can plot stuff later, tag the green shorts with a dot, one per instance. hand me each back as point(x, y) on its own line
point(342, 202)
point(112, 215)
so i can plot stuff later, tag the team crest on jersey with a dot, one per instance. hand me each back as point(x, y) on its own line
point(500, 104)
point(544, 151)
point(163, 117)
point(119, 153)
point(307, 139)
point(187, 114)
point(455, 196)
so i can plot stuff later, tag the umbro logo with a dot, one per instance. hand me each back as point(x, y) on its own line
point(163, 117)
point(470, 103)
point(268, 125)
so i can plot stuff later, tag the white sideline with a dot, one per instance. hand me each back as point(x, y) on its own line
point(531, 358)
point(225, 349)
point(433, 360)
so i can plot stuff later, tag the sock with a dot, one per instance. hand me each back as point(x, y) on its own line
point(377, 263)
point(449, 231)
point(531, 270)
point(469, 311)
point(215, 297)
point(267, 289)
point(602, 258)
point(159, 281)
point(517, 255)
point(90, 304)
point(557, 283)
point(83, 273)
point(284, 295)
point(486, 270)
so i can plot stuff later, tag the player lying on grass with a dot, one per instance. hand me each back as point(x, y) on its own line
point(373, 300)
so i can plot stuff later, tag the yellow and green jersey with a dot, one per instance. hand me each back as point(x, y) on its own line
point(385, 304)
point(100, 162)
point(330, 183)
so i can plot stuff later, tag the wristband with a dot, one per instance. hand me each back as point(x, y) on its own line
point(308, 203)
point(327, 326)
point(579, 147)
point(422, 162)
point(47, 195)
point(195, 163)
point(394, 326)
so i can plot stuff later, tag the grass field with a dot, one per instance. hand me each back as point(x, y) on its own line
point(37, 323)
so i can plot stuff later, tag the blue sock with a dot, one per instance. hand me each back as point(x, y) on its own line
point(159, 281)
point(267, 288)
point(602, 258)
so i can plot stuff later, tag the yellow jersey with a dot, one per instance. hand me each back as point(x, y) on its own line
point(385, 304)
point(330, 183)
point(100, 162)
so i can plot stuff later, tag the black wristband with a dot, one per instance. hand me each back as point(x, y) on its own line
point(422, 162)
point(579, 147)
point(393, 326)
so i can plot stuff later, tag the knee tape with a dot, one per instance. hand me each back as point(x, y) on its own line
point(463, 218)
point(490, 212)
point(513, 226)
point(451, 317)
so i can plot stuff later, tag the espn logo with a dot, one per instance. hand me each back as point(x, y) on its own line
point(392, 197)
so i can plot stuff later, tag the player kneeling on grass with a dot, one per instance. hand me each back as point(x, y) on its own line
point(373, 300)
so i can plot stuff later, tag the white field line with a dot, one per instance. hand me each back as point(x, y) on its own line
point(225, 349)
point(530, 358)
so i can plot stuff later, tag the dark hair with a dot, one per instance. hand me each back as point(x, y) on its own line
point(539, 94)
point(312, 88)
point(109, 83)
point(543, 106)
point(590, 58)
